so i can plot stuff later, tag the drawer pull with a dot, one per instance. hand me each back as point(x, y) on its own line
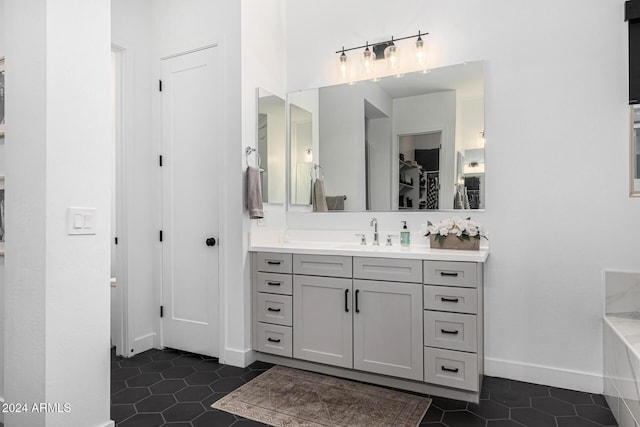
point(448, 274)
point(445, 331)
point(454, 370)
point(274, 262)
point(277, 310)
point(274, 283)
point(273, 340)
point(443, 299)
point(346, 300)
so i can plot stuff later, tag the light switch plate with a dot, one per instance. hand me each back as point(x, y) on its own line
point(81, 221)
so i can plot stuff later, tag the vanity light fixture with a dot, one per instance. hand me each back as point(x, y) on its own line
point(387, 50)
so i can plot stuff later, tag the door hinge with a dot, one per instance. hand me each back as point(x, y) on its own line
point(116, 240)
point(160, 85)
point(160, 160)
point(162, 311)
point(161, 235)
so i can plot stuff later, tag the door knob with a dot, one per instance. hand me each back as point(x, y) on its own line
point(211, 241)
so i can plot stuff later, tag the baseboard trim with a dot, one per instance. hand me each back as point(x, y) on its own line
point(239, 358)
point(546, 375)
point(109, 424)
point(143, 343)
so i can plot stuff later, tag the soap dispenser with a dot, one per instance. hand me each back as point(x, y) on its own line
point(405, 235)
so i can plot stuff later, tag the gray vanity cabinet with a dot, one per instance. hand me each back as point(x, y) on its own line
point(387, 328)
point(409, 323)
point(322, 318)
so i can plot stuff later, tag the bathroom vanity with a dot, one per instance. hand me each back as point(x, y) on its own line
point(405, 318)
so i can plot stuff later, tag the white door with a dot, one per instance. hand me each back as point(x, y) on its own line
point(192, 138)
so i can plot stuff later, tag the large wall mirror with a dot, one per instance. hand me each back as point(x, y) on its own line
point(409, 143)
point(272, 145)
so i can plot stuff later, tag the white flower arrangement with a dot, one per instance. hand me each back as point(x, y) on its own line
point(463, 228)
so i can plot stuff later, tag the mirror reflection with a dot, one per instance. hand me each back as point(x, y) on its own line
point(272, 145)
point(635, 151)
point(301, 154)
point(410, 143)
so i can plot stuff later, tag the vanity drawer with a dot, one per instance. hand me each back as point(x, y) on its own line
point(451, 368)
point(275, 283)
point(451, 273)
point(452, 331)
point(274, 308)
point(322, 265)
point(389, 269)
point(445, 298)
point(273, 262)
point(275, 339)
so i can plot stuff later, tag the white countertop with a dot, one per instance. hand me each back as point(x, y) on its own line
point(382, 251)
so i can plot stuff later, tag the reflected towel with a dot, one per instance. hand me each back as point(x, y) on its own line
point(254, 193)
point(335, 203)
point(320, 199)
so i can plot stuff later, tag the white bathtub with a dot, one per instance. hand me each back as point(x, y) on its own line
point(621, 334)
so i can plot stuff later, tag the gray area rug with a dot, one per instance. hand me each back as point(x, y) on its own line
point(293, 398)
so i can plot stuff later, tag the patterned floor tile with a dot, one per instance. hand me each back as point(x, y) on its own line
point(176, 388)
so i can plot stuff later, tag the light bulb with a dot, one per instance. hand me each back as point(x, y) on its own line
point(343, 66)
point(392, 57)
point(368, 62)
point(421, 51)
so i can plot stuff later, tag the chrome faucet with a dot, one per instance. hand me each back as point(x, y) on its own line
point(374, 223)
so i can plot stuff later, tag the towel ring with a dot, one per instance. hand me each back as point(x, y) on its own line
point(247, 153)
point(316, 171)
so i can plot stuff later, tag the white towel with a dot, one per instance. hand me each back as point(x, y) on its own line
point(254, 193)
point(320, 198)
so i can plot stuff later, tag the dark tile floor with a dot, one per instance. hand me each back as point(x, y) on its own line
point(174, 388)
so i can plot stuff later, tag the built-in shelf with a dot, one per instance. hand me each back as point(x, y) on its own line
point(404, 186)
point(407, 165)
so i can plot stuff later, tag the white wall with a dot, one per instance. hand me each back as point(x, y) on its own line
point(56, 293)
point(557, 153)
point(263, 60)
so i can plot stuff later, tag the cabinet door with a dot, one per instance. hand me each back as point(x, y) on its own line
point(322, 325)
point(387, 328)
